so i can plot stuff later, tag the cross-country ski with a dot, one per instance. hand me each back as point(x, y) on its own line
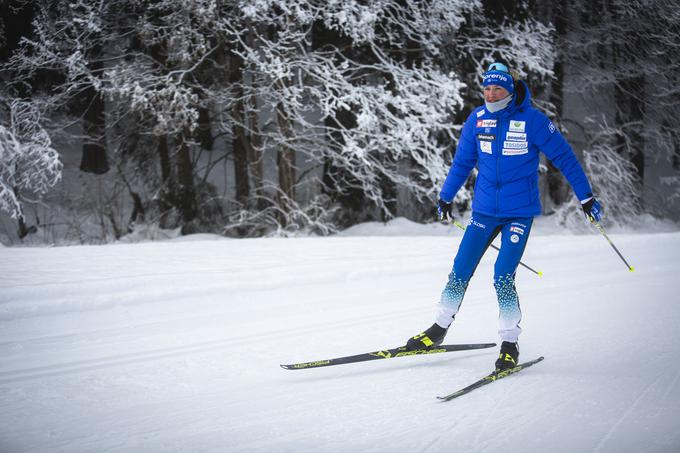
point(490, 378)
point(387, 354)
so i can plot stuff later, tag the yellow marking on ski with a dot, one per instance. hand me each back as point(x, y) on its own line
point(504, 373)
point(311, 364)
point(419, 352)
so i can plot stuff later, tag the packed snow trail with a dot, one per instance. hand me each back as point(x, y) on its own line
point(176, 346)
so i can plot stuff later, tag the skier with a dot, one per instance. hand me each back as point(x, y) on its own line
point(502, 138)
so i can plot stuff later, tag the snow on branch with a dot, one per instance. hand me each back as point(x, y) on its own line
point(172, 105)
point(28, 163)
point(397, 108)
point(527, 46)
point(612, 176)
point(314, 217)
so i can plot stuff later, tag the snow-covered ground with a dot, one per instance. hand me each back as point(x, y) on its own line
point(176, 345)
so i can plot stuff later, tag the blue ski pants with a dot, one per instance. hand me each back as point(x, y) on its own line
point(478, 235)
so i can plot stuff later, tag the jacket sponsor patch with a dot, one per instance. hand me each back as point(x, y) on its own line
point(488, 137)
point(515, 145)
point(551, 127)
point(517, 126)
point(514, 152)
point(486, 123)
point(516, 229)
point(481, 113)
point(485, 147)
point(515, 136)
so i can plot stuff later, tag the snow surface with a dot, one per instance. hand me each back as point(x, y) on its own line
point(176, 346)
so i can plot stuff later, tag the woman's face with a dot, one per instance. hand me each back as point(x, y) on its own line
point(494, 93)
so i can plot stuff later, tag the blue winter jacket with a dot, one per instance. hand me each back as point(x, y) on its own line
point(505, 148)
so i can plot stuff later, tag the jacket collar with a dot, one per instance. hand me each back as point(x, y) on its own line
point(521, 100)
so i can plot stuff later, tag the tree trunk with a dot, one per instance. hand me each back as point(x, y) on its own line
point(557, 85)
point(23, 229)
point(185, 177)
point(389, 197)
point(629, 95)
point(241, 142)
point(240, 147)
point(167, 197)
point(256, 148)
point(285, 160)
point(630, 116)
point(94, 158)
point(555, 183)
point(255, 151)
point(203, 133)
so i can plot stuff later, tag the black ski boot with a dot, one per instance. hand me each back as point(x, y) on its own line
point(508, 356)
point(429, 339)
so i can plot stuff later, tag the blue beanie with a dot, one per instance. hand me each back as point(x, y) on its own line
point(498, 74)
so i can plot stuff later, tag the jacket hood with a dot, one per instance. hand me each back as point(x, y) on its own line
point(522, 95)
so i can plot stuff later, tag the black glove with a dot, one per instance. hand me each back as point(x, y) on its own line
point(592, 209)
point(445, 210)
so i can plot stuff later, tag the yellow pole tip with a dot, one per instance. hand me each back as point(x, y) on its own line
point(540, 274)
point(631, 269)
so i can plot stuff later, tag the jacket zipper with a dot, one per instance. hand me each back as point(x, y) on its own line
point(498, 164)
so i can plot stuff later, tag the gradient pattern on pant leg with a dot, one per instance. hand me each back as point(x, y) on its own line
point(509, 312)
point(452, 295)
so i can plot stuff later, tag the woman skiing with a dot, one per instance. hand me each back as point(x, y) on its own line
point(503, 139)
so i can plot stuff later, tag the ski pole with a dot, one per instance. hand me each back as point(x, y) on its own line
point(539, 273)
point(601, 229)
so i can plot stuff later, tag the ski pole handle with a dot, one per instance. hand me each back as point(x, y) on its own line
point(539, 273)
point(601, 230)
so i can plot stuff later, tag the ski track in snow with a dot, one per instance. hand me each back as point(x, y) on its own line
point(175, 346)
point(625, 415)
point(60, 369)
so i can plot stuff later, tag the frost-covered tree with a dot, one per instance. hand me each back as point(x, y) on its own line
point(629, 51)
point(29, 166)
point(62, 57)
point(612, 176)
point(160, 90)
point(367, 90)
point(330, 112)
point(132, 72)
